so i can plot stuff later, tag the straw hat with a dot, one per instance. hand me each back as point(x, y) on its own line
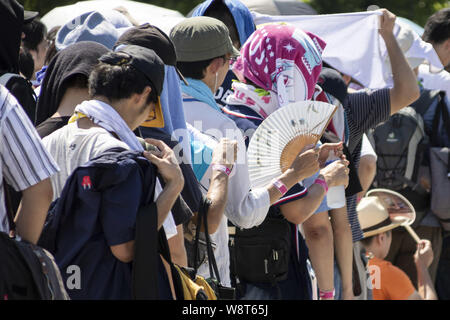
point(374, 217)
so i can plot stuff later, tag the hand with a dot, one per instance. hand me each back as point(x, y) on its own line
point(225, 153)
point(424, 253)
point(336, 173)
point(306, 163)
point(387, 22)
point(165, 161)
point(326, 148)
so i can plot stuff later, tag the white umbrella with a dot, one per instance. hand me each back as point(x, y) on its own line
point(142, 12)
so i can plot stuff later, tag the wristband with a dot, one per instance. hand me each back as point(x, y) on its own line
point(323, 183)
point(326, 294)
point(222, 168)
point(280, 186)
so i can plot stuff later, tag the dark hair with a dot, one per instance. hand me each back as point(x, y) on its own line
point(437, 28)
point(119, 82)
point(77, 80)
point(51, 51)
point(368, 241)
point(221, 12)
point(195, 69)
point(35, 32)
point(26, 63)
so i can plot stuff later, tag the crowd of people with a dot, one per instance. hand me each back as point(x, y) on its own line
point(102, 119)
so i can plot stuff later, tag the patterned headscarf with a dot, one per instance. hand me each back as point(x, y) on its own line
point(282, 59)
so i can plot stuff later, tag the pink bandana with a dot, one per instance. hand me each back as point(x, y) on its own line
point(282, 59)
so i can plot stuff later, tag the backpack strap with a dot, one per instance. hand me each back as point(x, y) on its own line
point(4, 79)
point(425, 100)
point(446, 120)
point(441, 111)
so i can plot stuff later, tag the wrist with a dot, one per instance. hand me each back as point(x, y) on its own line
point(322, 183)
point(218, 167)
point(327, 178)
point(326, 294)
point(175, 184)
point(388, 36)
point(280, 186)
point(289, 178)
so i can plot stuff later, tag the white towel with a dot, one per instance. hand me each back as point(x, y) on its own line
point(107, 117)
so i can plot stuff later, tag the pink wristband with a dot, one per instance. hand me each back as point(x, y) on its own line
point(323, 183)
point(326, 294)
point(222, 168)
point(280, 186)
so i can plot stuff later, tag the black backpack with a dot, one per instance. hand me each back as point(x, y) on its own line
point(27, 272)
point(401, 144)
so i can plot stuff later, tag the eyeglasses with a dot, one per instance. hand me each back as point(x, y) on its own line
point(231, 59)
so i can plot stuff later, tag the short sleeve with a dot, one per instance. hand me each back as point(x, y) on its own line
point(395, 283)
point(297, 192)
point(26, 161)
point(364, 110)
point(120, 205)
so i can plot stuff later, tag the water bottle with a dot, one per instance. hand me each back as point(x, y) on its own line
point(335, 195)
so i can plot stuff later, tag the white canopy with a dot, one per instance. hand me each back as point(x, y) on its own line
point(142, 12)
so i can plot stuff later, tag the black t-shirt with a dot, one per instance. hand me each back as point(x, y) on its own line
point(51, 125)
point(23, 91)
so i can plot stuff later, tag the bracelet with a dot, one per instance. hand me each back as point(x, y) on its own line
point(280, 186)
point(326, 294)
point(222, 168)
point(323, 183)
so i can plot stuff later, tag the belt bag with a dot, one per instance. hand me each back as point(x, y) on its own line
point(262, 252)
point(440, 181)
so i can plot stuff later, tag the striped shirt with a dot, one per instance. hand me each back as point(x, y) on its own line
point(364, 110)
point(23, 159)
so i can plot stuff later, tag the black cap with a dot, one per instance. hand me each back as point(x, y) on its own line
point(332, 82)
point(150, 64)
point(142, 59)
point(28, 16)
point(151, 37)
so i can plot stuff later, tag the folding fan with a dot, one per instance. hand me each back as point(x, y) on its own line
point(281, 136)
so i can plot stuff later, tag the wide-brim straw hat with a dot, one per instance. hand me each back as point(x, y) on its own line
point(374, 217)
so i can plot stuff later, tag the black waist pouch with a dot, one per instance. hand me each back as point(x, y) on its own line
point(262, 252)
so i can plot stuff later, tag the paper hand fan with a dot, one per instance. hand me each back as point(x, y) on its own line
point(281, 136)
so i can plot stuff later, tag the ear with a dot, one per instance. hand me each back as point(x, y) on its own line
point(215, 65)
point(139, 98)
point(380, 238)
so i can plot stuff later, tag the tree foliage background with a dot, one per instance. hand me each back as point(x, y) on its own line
point(415, 10)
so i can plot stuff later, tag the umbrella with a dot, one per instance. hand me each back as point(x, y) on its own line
point(279, 7)
point(413, 25)
point(142, 12)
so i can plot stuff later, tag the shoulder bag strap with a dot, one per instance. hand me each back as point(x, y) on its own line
point(145, 263)
point(211, 258)
point(8, 205)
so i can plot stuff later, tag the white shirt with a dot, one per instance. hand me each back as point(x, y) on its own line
point(245, 208)
point(24, 161)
